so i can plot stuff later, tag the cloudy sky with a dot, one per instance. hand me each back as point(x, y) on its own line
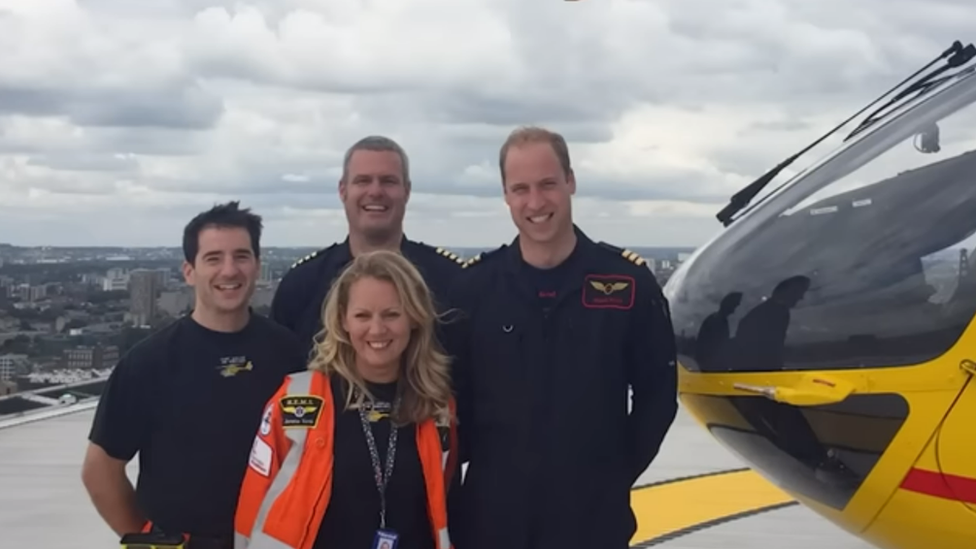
point(120, 119)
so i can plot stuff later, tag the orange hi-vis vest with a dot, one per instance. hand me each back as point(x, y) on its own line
point(288, 482)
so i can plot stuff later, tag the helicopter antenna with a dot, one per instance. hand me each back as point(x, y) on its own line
point(741, 199)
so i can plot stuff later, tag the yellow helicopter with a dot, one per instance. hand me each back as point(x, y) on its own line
point(825, 335)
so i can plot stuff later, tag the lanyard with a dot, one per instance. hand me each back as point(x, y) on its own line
point(382, 476)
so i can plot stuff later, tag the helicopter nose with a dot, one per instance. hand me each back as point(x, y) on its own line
point(824, 334)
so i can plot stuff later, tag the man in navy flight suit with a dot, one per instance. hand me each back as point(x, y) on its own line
point(374, 188)
point(554, 331)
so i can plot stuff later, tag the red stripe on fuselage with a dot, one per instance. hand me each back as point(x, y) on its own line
point(940, 485)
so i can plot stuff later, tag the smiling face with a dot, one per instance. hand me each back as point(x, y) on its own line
point(224, 271)
point(374, 193)
point(378, 327)
point(538, 192)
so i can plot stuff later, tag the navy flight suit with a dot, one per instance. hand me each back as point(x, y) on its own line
point(542, 375)
point(300, 296)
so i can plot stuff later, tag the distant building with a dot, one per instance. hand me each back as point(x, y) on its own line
point(176, 302)
point(262, 297)
point(117, 272)
point(144, 287)
point(10, 364)
point(29, 293)
point(99, 357)
point(115, 284)
point(651, 264)
point(7, 387)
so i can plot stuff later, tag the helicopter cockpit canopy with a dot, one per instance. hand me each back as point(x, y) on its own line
point(862, 261)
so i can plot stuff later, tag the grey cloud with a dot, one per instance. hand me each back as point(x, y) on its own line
point(323, 193)
point(743, 161)
point(188, 107)
point(85, 162)
point(174, 106)
point(585, 117)
point(76, 185)
point(273, 9)
point(149, 141)
point(776, 126)
point(799, 59)
point(824, 52)
point(108, 141)
point(433, 172)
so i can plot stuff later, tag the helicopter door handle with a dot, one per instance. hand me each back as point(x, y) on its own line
point(809, 391)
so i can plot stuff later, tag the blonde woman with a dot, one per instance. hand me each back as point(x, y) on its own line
point(358, 452)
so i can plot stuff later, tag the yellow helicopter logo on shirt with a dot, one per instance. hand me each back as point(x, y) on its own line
point(234, 368)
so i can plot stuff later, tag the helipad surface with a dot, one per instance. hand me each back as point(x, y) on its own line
point(698, 498)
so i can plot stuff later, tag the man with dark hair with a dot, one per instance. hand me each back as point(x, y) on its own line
point(188, 399)
point(558, 330)
point(374, 189)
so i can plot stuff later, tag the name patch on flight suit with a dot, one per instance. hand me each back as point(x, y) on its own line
point(608, 292)
point(300, 411)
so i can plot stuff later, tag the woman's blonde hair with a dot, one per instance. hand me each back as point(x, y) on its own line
point(424, 384)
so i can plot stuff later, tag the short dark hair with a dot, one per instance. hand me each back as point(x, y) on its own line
point(229, 215)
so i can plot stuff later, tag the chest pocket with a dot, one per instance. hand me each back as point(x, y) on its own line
point(590, 349)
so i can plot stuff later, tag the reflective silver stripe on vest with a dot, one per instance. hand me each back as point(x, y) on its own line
point(443, 540)
point(300, 384)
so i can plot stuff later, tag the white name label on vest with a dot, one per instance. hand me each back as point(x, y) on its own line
point(261, 456)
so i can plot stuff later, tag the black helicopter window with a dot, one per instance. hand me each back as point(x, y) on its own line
point(873, 269)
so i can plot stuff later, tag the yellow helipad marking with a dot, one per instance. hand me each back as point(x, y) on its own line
point(670, 507)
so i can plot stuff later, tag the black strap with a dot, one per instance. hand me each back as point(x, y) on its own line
point(200, 541)
point(382, 476)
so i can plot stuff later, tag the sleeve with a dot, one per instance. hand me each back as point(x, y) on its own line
point(652, 372)
point(452, 468)
point(455, 334)
point(293, 355)
point(283, 303)
point(267, 452)
point(122, 416)
point(453, 472)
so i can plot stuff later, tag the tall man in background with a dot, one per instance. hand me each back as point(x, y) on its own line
point(555, 330)
point(374, 189)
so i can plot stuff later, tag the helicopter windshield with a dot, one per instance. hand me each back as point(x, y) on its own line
point(862, 262)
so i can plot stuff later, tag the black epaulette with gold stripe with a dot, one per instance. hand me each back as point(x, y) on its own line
point(633, 257)
point(481, 256)
point(304, 259)
point(313, 255)
point(450, 255)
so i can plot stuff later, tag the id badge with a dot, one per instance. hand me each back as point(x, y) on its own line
point(385, 539)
